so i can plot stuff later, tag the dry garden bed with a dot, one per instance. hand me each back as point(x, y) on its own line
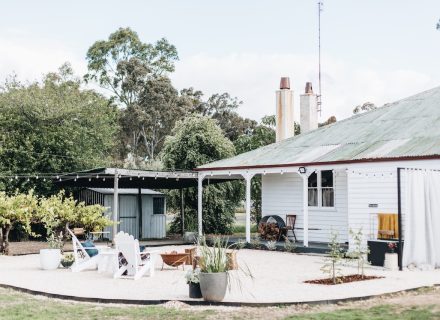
point(343, 279)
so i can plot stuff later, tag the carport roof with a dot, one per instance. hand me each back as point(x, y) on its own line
point(128, 179)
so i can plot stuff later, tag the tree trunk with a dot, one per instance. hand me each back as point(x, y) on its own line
point(1, 240)
point(4, 240)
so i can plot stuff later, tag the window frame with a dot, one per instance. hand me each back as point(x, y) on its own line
point(319, 187)
point(164, 206)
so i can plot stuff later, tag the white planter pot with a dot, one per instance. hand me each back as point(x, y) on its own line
point(213, 286)
point(391, 261)
point(50, 259)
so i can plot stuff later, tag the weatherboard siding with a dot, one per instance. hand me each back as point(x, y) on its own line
point(283, 194)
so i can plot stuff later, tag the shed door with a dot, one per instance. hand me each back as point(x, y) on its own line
point(128, 215)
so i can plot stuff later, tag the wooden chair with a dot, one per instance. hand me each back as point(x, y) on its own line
point(290, 224)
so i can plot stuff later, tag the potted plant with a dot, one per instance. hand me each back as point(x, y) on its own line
point(67, 260)
point(391, 258)
point(50, 258)
point(193, 281)
point(213, 269)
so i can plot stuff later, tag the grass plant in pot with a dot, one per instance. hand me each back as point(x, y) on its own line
point(193, 281)
point(50, 258)
point(213, 269)
point(67, 260)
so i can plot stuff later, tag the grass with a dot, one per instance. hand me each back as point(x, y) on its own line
point(241, 229)
point(382, 312)
point(15, 305)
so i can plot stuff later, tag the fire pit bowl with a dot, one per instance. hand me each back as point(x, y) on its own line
point(174, 259)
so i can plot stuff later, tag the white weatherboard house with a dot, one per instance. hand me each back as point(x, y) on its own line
point(345, 175)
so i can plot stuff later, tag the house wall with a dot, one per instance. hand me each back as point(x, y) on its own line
point(153, 226)
point(379, 190)
point(283, 194)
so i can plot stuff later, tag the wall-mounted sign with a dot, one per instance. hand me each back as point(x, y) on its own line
point(373, 205)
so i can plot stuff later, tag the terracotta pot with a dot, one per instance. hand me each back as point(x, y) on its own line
point(213, 286)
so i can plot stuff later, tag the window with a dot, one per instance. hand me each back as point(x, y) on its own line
point(313, 190)
point(321, 189)
point(158, 205)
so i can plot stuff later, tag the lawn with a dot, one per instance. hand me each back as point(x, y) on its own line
point(15, 305)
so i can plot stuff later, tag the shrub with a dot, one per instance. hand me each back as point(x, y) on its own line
point(332, 262)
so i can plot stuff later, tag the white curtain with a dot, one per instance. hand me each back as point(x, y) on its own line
point(422, 219)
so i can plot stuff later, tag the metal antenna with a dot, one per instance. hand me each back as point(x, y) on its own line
point(319, 97)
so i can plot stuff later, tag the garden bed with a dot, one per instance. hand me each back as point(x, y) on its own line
point(343, 279)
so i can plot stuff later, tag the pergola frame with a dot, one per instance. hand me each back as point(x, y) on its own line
point(247, 174)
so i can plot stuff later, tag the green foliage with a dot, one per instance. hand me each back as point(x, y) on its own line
point(15, 210)
point(195, 141)
point(53, 126)
point(213, 259)
point(332, 263)
point(289, 246)
point(360, 251)
point(271, 245)
point(58, 212)
point(145, 124)
point(123, 63)
point(255, 242)
point(261, 135)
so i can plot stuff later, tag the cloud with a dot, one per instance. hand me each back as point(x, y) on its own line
point(253, 78)
point(31, 57)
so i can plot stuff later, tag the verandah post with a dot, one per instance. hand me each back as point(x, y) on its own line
point(248, 178)
point(115, 204)
point(305, 211)
point(200, 204)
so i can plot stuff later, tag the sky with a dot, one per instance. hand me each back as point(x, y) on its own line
point(377, 50)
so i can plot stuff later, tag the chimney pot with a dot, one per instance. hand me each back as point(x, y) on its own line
point(285, 83)
point(309, 89)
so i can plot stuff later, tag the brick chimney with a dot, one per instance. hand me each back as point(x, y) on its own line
point(308, 105)
point(284, 111)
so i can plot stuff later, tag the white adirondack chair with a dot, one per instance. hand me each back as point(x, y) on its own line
point(82, 259)
point(136, 267)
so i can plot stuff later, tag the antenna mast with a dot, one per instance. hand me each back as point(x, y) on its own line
point(320, 4)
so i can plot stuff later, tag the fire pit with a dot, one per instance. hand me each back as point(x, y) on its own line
point(174, 259)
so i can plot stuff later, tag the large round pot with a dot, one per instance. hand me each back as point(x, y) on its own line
point(213, 285)
point(50, 259)
point(194, 290)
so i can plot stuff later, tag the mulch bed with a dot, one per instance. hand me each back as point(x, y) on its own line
point(343, 279)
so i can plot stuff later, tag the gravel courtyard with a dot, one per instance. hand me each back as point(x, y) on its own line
point(278, 278)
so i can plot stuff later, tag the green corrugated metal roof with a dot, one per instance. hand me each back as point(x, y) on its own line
point(406, 128)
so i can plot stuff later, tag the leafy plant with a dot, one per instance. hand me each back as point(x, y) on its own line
point(255, 242)
point(68, 257)
point(55, 241)
point(359, 252)
point(193, 276)
point(334, 258)
point(15, 210)
point(289, 246)
point(196, 141)
point(213, 259)
point(271, 245)
point(240, 244)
